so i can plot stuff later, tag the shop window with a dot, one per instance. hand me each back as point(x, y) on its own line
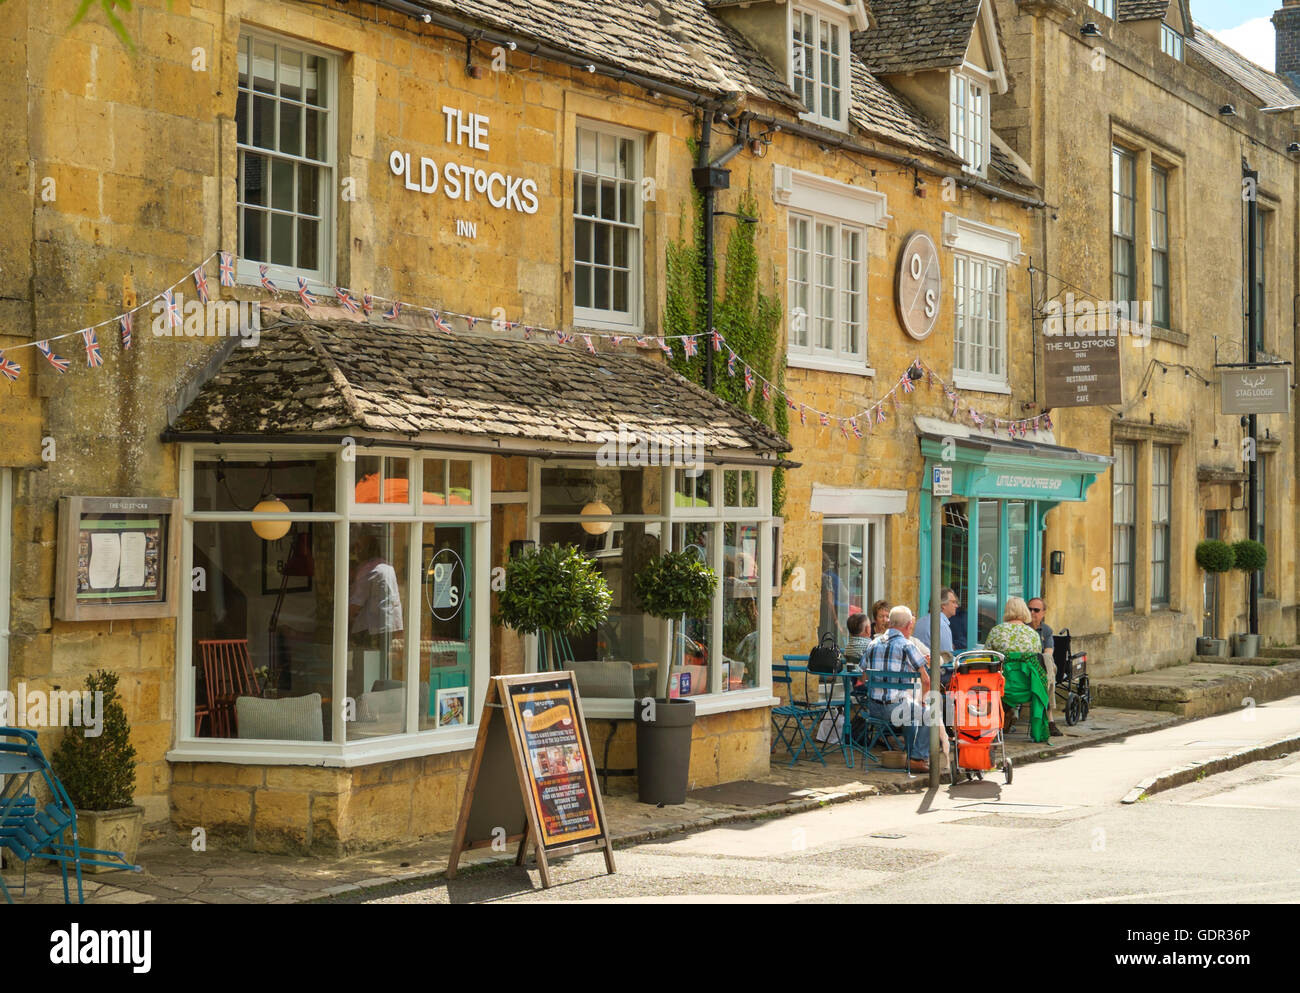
point(819, 67)
point(1123, 524)
point(265, 621)
point(851, 574)
point(980, 292)
point(740, 487)
point(1161, 506)
point(741, 583)
point(826, 288)
point(607, 234)
point(285, 121)
point(1123, 197)
point(693, 489)
point(968, 120)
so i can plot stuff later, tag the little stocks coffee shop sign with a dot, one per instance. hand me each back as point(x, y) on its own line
point(1255, 391)
point(458, 181)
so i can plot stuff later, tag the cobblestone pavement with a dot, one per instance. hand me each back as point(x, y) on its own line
point(175, 874)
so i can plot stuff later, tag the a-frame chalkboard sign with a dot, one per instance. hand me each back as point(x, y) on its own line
point(531, 777)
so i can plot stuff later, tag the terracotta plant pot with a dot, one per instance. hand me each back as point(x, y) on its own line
point(114, 830)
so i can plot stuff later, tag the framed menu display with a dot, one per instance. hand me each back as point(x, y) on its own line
point(117, 558)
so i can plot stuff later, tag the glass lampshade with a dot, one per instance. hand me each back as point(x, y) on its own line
point(271, 530)
point(597, 508)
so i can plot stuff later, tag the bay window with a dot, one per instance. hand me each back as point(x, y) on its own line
point(337, 612)
point(621, 518)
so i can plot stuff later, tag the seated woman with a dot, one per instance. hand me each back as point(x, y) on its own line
point(1014, 634)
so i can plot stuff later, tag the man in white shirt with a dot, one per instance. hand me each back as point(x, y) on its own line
point(947, 607)
point(374, 612)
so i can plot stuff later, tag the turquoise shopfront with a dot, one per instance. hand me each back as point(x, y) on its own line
point(993, 522)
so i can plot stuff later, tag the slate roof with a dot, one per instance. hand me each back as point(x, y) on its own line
point(1142, 10)
point(686, 45)
point(880, 111)
point(318, 377)
point(1269, 88)
point(911, 35)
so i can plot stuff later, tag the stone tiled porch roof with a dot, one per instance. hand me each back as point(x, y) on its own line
point(326, 377)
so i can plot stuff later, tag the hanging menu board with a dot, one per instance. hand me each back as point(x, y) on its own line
point(531, 777)
point(116, 558)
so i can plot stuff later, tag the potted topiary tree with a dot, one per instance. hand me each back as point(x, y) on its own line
point(1248, 557)
point(98, 771)
point(672, 587)
point(1215, 557)
point(553, 592)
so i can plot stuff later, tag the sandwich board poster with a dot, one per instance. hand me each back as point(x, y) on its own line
point(531, 777)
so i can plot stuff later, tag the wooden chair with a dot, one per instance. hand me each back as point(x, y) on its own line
point(227, 675)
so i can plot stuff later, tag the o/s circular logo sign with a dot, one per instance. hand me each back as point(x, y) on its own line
point(444, 578)
point(920, 286)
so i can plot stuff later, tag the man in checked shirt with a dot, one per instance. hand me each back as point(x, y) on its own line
point(896, 653)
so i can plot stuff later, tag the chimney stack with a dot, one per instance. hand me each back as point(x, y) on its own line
point(1286, 22)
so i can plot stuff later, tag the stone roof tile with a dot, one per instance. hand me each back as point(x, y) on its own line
point(911, 35)
point(352, 375)
point(1269, 88)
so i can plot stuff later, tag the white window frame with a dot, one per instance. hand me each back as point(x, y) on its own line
point(715, 700)
point(985, 245)
point(1161, 521)
point(613, 320)
point(248, 271)
point(969, 130)
point(822, 15)
point(338, 753)
point(1124, 450)
point(1106, 7)
point(817, 200)
point(873, 573)
point(1171, 42)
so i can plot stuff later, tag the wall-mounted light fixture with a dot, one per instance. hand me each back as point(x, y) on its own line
point(1227, 110)
point(1090, 30)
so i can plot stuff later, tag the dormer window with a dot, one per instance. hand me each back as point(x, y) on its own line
point(1107, 7)
point(1171, 42)
point(819, 66)
point(968, 118)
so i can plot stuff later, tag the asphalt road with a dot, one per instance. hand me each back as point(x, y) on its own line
point(1058, 834)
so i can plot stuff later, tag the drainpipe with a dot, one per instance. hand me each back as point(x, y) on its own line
point(1252, 356)
point(709, 177)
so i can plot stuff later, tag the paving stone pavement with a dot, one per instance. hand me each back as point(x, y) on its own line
point(175, 874)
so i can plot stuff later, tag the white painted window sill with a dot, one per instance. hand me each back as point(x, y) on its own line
point(326, 755)
point(795, 360)
point(980, 385)
point(707, 703)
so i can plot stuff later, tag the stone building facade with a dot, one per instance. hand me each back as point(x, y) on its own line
point(1138, 130)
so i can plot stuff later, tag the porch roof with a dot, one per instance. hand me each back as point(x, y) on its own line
point(309, 377)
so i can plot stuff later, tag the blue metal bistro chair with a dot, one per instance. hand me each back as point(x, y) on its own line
point(881, 731)
point(31, 831)
point(796, 719)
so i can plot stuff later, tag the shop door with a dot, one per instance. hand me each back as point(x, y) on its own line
point(446, 609)
point(1210, 589)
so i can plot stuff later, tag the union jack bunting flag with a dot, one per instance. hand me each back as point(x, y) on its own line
point(825, 420)
point(126, 322)
point(843, 430)
point(640, 341)
point(929, 378)
point(173, 309)
point(9, 369)
point(201, 283)
point(1046, 420)
point(94, 357)
point(880, 414)
point(391, 313)
point(591, 345)
point(266, 280)
point(803, 415)
point(470, 322)
point(976, 418)
point(790, 403)
point(58, 361)
point(440, 323)
point(907, 384)
point(616, 340)
point(749, 379)
point(767, 390)
point(560, 336)
point(731, 362)
point(857, 431)
point(717, 340)
point(226, 268)
point(345, 298)
point(666, 346)
point(305, 295)
point(688, 345)
point(528, 331)
point(367, 303)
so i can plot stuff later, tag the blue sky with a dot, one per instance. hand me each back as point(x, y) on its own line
point(1243, 24)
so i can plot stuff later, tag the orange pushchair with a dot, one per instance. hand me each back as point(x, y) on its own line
point(974, 703)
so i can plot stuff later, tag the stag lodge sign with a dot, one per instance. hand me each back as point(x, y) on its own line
point(1255, 391)
point(463, 183)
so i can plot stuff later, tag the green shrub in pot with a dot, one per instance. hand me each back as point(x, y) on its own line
point(674, 586)
point(1249, 556)
point(551, 591)
point(98, 771)
point(1213, 555)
